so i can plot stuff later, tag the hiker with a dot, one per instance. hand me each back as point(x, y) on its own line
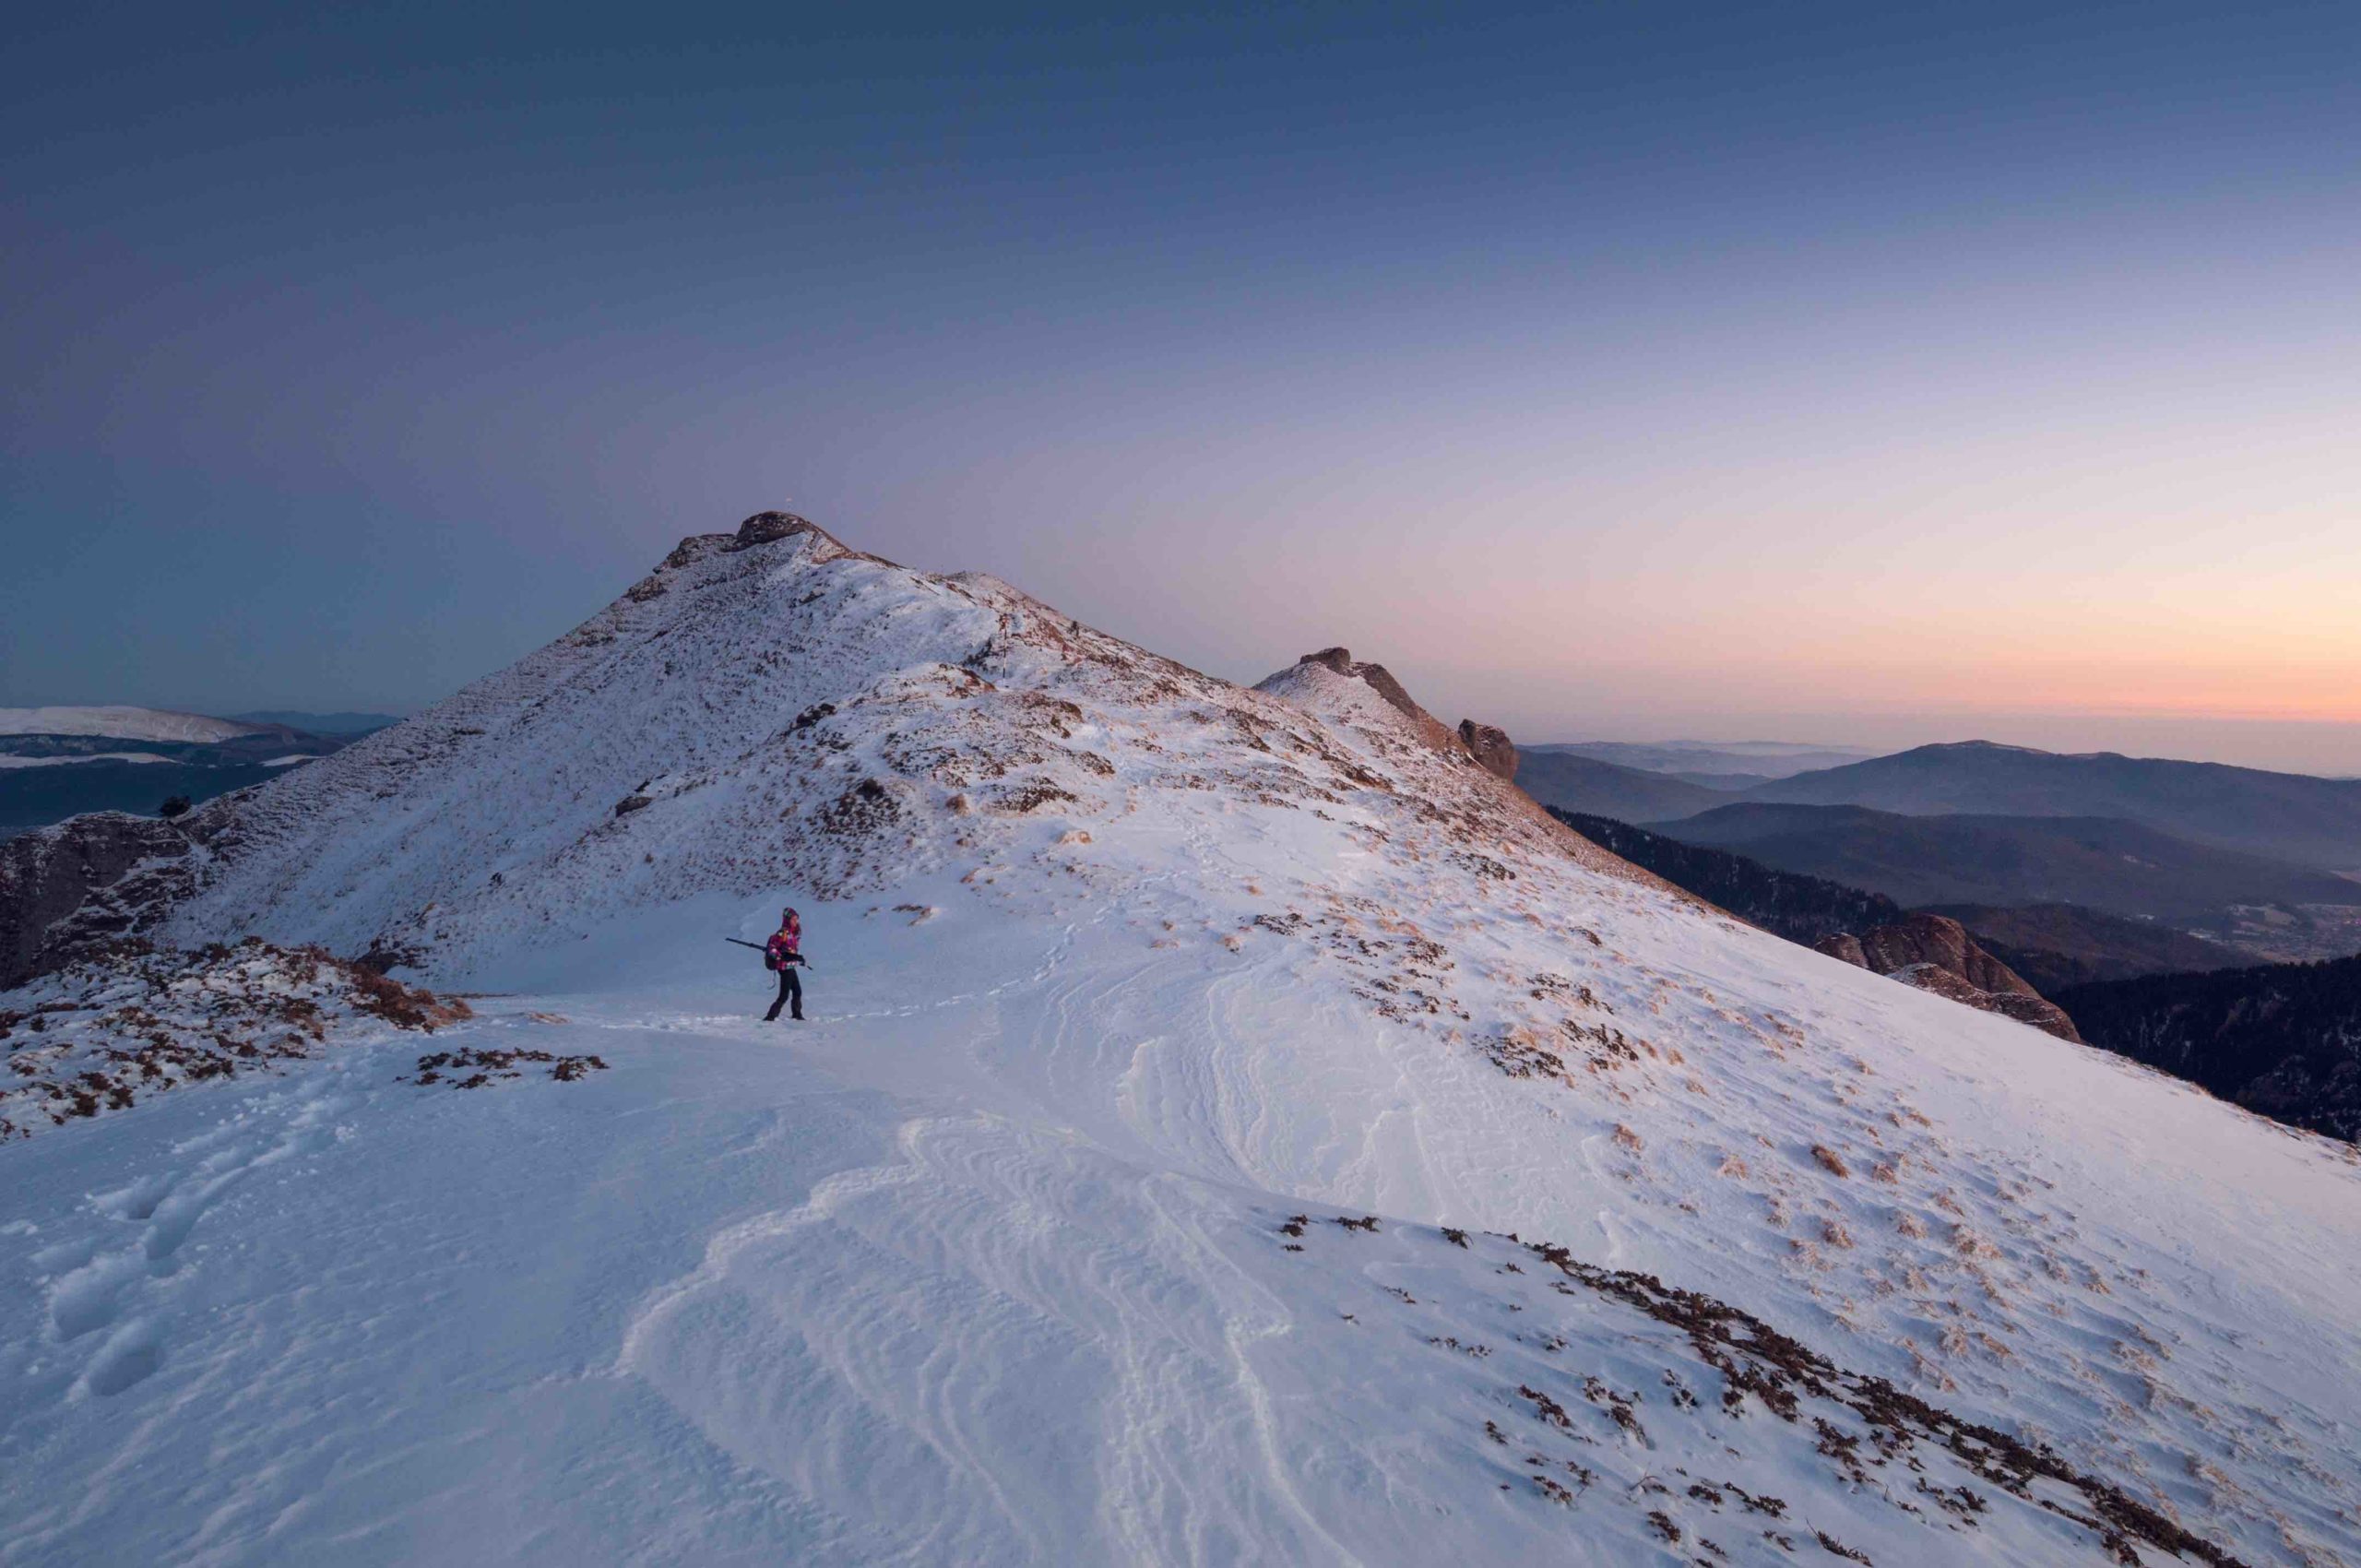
point(782, 953)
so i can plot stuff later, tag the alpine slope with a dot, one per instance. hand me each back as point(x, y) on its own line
point(1234, 1126)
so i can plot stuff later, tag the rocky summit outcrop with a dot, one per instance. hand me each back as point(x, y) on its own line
point(763, 528)
point(1935, 953)
point(1492, 748)
point(1488, 747)
point(1380, 680)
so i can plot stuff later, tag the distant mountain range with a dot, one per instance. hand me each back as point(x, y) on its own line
point(122, 722)
point(2264, 863)
point(58, 762)
point(2105, 862)
point(2286, 817)
point(322, 723)
point(1717, 765)
point(2289, 816)
point(1576, 783)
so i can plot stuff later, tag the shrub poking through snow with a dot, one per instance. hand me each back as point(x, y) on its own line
point(470, 1068)
point(1738, 1392)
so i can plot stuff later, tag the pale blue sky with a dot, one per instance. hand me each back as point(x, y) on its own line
point(1639, 370)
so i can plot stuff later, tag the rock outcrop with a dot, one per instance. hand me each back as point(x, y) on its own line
point(1935, 953)
point(1379, 679)
point(58, 886)
point(763, 528)
point(1492, 748)
point(1488, 747)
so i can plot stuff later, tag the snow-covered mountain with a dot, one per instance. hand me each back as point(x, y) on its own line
point(1236, 1126)
point(123, 723)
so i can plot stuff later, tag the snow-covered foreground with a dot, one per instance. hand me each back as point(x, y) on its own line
point(1130, 987)
point(926, 1281)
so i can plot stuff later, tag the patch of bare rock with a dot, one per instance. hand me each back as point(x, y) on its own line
point(119, 1025)
point(1935, 953)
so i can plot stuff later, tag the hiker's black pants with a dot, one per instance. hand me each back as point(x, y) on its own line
point(791, 995)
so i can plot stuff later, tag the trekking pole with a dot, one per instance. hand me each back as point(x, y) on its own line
point(760, 948)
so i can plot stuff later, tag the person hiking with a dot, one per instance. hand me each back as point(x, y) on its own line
point(782, 953)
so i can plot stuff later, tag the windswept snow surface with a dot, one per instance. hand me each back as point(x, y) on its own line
point(126, 723)
point(1119, 972)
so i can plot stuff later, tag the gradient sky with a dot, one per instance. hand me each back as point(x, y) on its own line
point(1826, 373)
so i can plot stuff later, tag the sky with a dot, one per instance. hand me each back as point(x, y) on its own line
point(1843, 373)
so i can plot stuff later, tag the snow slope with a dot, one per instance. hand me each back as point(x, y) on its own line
point(126, 723)
point(1118, 969)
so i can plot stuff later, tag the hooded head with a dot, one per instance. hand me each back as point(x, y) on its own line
point(787, 918)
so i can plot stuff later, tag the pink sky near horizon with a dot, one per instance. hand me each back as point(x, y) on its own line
point(1921, 374)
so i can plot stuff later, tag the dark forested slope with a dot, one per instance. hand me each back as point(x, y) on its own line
point(1799, 908)
point(2283, 1039)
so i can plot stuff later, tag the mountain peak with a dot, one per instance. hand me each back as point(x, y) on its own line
point(769, 708)
point(1487, 745)
point(764, 527)
point(1954, 747)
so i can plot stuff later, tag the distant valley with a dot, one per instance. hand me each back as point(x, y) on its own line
point(2287, 816)
point(2199, 919)
point(2102, 863)
point(2283, 1040)
point(2250, 864)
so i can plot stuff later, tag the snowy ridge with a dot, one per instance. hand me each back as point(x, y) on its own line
point(1118, 967)
point(126, 723)
point(789, 713)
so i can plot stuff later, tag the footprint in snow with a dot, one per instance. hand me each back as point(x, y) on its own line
point(130, 1356)
point(91, 1285)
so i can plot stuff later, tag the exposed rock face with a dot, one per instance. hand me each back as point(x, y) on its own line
point(1492, 748)
point(1380, 680)
point(764, 527)
point(57, 885)
point(1942, 942)
point(1935, 953)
